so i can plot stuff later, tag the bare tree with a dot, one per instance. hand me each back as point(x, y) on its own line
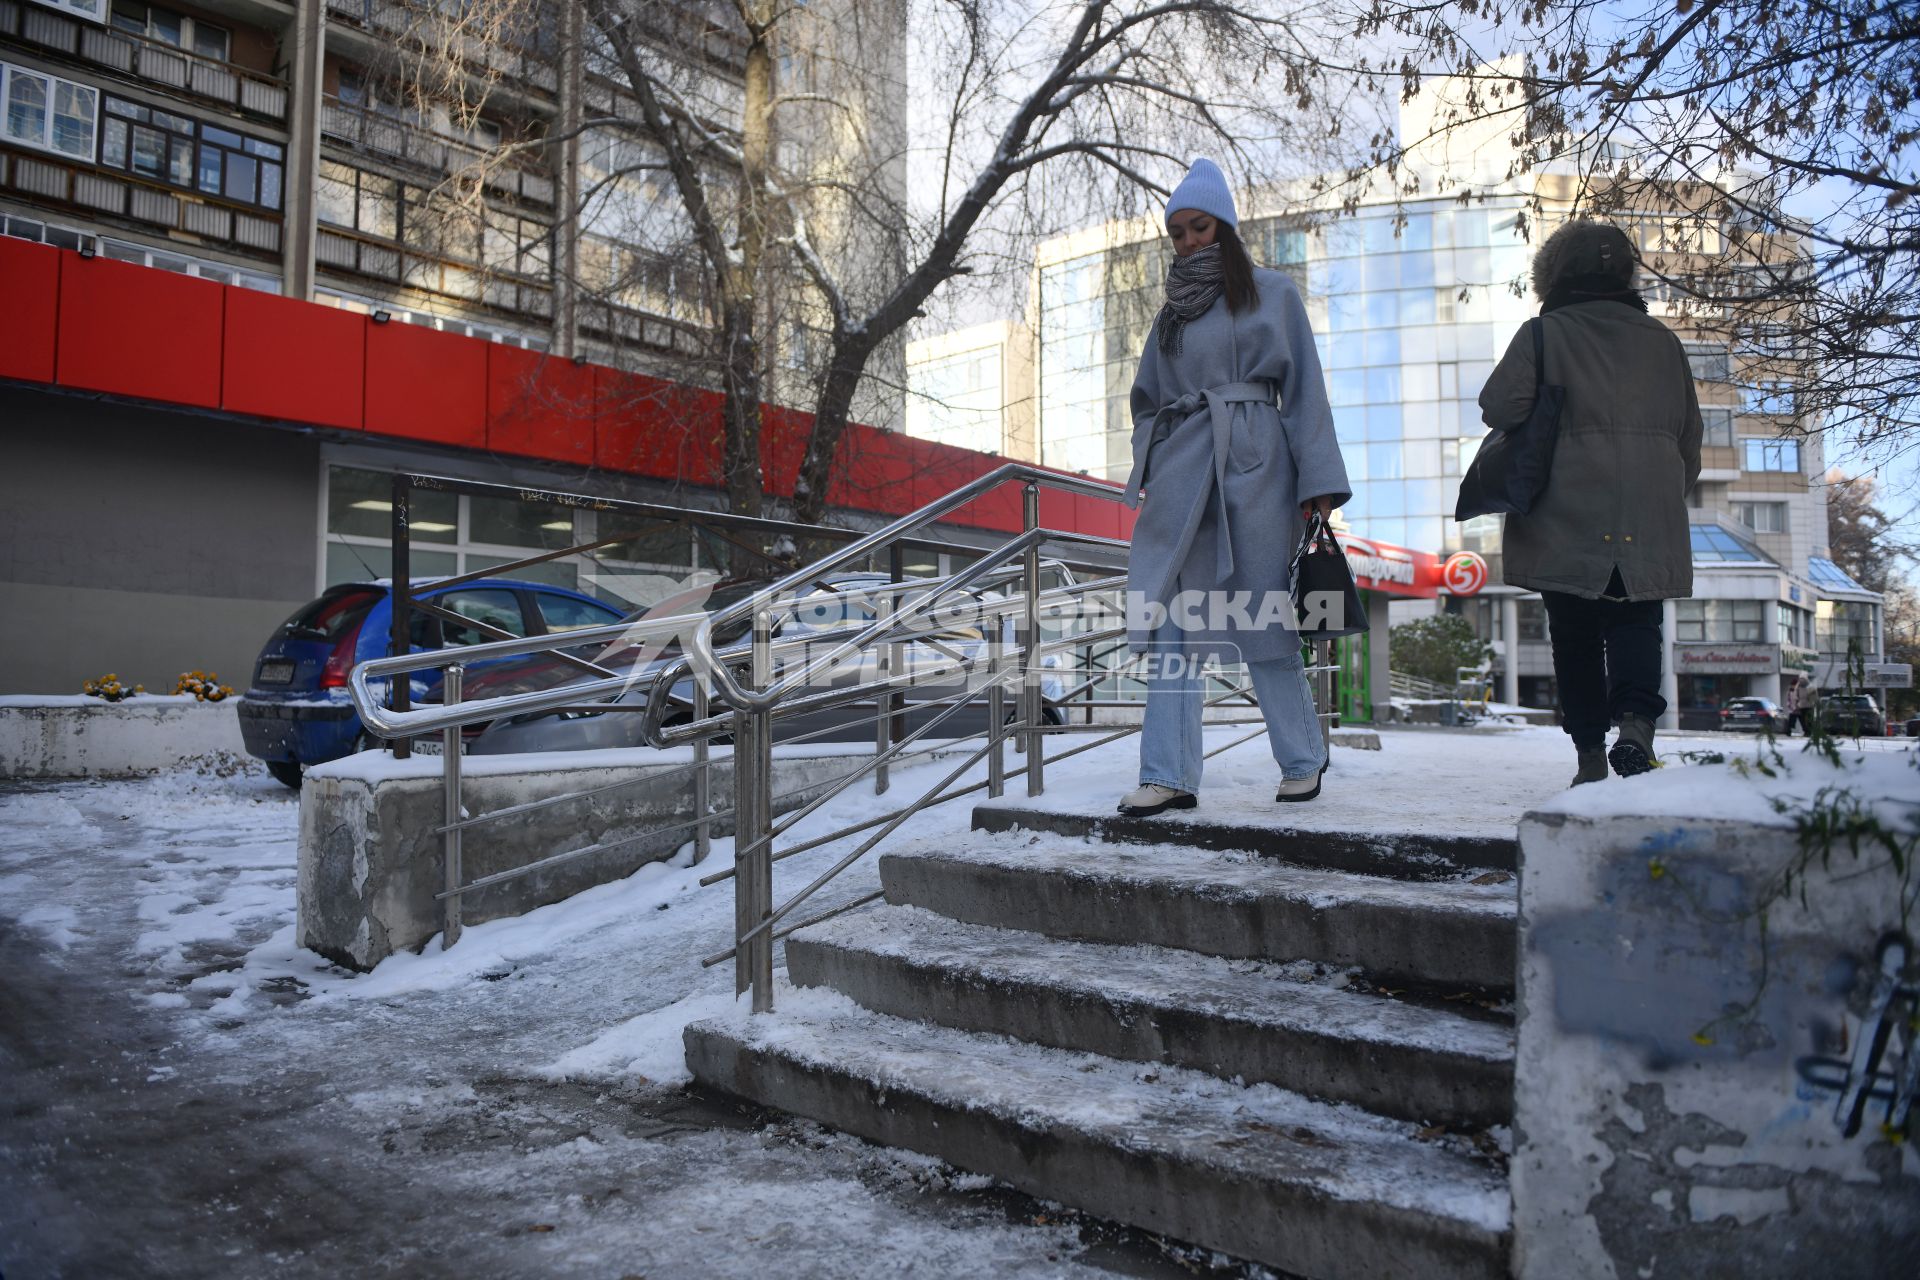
point(797, 183)
point(1774, 141)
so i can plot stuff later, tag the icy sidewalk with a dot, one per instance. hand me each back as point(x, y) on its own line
point(197, 1094)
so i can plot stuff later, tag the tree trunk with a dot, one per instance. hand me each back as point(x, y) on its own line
point(831, 412)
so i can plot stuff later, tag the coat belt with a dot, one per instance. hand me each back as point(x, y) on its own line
point(1214, 401)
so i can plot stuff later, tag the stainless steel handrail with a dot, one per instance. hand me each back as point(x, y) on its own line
point(959, 627)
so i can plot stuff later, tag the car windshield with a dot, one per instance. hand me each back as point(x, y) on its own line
point(333, 613)
point(1853, 699)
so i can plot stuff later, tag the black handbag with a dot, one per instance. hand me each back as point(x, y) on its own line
point(1324, 597)
point(1512, 467)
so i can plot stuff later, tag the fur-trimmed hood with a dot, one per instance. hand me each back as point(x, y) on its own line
point(1583, 248)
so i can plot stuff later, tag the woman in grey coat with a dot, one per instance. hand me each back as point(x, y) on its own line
point(1608, 538)
point(1233, 444)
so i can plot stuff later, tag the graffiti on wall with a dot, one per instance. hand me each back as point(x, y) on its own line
point(1880, 1078)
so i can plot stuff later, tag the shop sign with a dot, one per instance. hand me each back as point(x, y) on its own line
point(1381, 566)
point(1871, 675)
point(1726, 659)
point(1464, 574)
point(1796, 659)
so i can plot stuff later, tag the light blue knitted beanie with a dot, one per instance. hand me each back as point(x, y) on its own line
point(1204, 188)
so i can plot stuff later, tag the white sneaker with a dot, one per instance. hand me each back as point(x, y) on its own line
point(1292, 789)
point(1150, 798)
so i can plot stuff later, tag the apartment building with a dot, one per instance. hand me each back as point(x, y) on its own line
point(429, 186)
point(973, 388)
point(1412, 303)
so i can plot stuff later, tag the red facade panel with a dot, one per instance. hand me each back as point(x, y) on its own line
point(292, 360)
point(177, 319)
point(539, 405)
point(426, 385)
point(29, 309)
point(655, 428)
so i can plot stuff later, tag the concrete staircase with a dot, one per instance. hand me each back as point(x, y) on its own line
point(1276, 1044)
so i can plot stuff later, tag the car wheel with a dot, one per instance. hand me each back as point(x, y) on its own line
point(285, 772)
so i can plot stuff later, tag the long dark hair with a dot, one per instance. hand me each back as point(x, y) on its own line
point(1236, 269)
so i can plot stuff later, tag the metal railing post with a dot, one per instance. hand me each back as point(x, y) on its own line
point(455, 873)
point(883, 656)
point(1325, 691)
point(702, 777)
point(996, 722)
point(753, 823)
point(400, 694)
point(1030, 650)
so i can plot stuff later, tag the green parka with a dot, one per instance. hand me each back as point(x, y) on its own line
point(1629, 452)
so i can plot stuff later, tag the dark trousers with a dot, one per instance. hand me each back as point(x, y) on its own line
point(1606, 656)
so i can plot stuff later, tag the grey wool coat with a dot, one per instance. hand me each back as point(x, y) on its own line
point(1629, 451)
point(1229, 438)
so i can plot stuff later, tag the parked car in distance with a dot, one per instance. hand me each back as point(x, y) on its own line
point(1759, 715)
point(297, 712)
point(848, 722)
point(1856, 715)
point(1913, 727)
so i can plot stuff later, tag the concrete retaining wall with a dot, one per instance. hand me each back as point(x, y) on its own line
point(371, 862)
point(80, 737)
point(1663, 1128)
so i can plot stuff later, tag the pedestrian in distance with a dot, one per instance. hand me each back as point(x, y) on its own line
point(1803, 700)
point(1233, 446)
point(1607, 539)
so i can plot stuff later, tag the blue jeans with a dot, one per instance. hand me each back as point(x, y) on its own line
point(1171, 751)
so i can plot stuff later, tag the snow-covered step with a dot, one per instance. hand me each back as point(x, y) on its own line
point(1434, 934)
point(1311, 842)
point(1311, 1188)
point(1233, 1018)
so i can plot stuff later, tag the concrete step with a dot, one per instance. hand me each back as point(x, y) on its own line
point(1435, 936)
point(1232, 1018)
point(1269, 831)
point(1311, 1188)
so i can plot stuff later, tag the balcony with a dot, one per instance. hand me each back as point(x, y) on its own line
point(46, 179)
point(340, 250)
point(252, 93)
point(373, 133)
point(390, 20)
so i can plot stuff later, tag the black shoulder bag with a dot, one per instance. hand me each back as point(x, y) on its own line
point(1324, 597)
point(1512, 467)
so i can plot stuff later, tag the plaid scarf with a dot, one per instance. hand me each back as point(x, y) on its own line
point(1193, 282)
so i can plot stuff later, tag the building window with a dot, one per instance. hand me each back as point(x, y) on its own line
point(91, 10)
point(1846, 627)
point(1771, 455)
point(1719, 621)
point(1533, 619)
point(1796, 627)
point(359, 201)
point(1775, 398)
point(47, 112)
point(1716, 426)
point(1709, 363)
point(162, 260)
point(176, 29)
point(187, 153)
point(1762, 517)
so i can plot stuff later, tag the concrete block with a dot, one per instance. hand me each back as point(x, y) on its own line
point(1436, 935)
point(1685, 1093)
point(1257, 1172)
point(371, 859)
point(1154, 1004)
point(81, 737)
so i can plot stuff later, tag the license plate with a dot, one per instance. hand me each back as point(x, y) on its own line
point(276, 673)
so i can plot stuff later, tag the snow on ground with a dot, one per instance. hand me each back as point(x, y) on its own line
point(509, 1106)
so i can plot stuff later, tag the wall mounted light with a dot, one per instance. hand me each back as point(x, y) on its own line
point(88, 251)
point(381, 317)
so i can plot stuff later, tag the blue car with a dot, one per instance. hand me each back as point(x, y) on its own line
point(297, 711)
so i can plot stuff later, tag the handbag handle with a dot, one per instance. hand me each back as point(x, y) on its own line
point(1539, 327)
point(1319, 534)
